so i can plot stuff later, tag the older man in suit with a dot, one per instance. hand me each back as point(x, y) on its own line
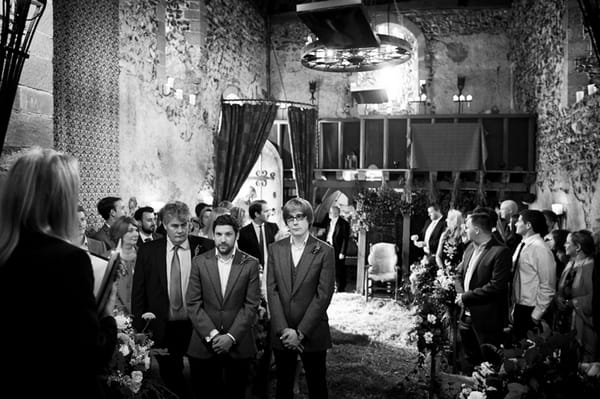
point(222, 302)
point(160, 282)
point(300, 284)
point(482, 286)
point(337, 234)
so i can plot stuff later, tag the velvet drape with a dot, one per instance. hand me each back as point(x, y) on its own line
point(303, 132)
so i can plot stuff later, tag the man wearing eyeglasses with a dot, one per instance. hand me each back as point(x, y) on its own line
point(300, 284)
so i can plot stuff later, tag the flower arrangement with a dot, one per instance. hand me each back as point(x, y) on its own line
point(131, 359)
point(543, 366)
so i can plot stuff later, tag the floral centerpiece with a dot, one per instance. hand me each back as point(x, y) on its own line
point(130, 363)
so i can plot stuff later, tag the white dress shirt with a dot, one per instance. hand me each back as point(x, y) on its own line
point(473, 262)
point(535, 276)
point(428, 234)
point(185, 264)
point(224, 264)
point(297, 250)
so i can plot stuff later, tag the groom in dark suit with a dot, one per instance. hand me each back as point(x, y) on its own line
point(222, 301)
point(481, 285)
point(160, 281)
point(300, 284)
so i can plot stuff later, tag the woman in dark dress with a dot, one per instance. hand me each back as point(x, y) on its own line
point(53, 342)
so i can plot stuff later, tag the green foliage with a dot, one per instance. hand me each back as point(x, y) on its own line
point(380, 206)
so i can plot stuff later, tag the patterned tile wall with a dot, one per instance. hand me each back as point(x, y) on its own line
point(86, 94)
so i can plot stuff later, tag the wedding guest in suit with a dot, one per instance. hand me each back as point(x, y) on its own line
point(43, 268)
point(110, 208)
point(160, 281)
point(506, 231)
point(300, 284)
point(432, 231)
point(222, 302)
point(254, 239)
point(534, 282)
point(82, 240)
point(146, 221)
point(481, 285)
point(216, 212)
point(337, 234)
point(125, 232)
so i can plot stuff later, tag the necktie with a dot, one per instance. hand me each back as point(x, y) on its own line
point(175, 285)
point(261, 243)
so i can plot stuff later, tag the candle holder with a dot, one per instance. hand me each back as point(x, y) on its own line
point(460, 98)
point(312, 87)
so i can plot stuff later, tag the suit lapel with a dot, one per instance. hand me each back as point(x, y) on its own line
point(213, 274)
point(304, 263)
point(285, 266)
point(161, 258)
point(234, 273)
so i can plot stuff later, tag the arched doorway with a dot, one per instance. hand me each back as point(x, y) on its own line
point(264, 182)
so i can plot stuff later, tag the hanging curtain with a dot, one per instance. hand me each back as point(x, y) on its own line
point(244, 132)
point(303, 129)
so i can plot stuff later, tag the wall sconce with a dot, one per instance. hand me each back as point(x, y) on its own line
point(312, 87)
point(561, 211)
point(558, 209)
point(168, 90)
point(422, 99)
point(460, 98)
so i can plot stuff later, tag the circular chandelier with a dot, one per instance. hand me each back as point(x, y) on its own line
point(391, 51)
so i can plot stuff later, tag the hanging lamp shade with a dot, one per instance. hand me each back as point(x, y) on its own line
point(18, 21)
point(346, 41)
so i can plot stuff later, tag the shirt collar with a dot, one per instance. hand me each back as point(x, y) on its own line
point(256, 225)
point(303, 241)
point(144, 236)
point(185, 245)
point(483, 244)
point(221, 258)
point(529, 240)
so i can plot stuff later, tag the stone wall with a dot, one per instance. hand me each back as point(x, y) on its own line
point(545, 46)
point(207, 47)
point(466, 41)
point(31, 121)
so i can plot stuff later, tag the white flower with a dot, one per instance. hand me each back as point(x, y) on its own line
point(124, 349)
point(477, 395)
point(147, 362)
point(428, 336)
point(148, 316)
point(431, 318)
point(418, 319)
point(137, 376)
point(122, 321)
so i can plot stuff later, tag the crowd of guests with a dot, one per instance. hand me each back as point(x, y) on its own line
point(204, 279)
point(516, 271)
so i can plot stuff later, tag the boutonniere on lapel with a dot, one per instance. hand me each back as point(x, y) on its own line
point(197, 250)
point(244, 258)
point(316, 249)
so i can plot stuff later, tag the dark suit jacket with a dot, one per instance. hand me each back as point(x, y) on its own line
point(248, 241)
point(487, 298)
point(46, 297)
point(235, 313)
point(434, 240)
point(104, 236)
point(155, 236)
point(301, 302)
point(150, 292)
point(341, 235)
point(508, 236)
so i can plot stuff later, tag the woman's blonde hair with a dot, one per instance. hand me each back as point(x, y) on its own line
point(457, 228)
point(40, 194)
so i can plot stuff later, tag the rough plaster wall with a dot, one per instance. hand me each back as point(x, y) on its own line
point(478, 58)
point(468, 42)
point(31, 121)
point(167, 144)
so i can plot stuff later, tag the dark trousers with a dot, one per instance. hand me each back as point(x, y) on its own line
point(522, 321)
point(177, 338)
point(219, 377)
point(260, 386)
point(314, 368)
point(340, 273)
point(471, 341)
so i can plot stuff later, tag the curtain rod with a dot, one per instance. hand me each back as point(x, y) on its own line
point(282, 104)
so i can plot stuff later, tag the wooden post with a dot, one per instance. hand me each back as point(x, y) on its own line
point(406, 225)
point(360, 261)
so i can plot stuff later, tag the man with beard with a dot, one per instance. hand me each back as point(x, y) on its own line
point(222, 301)
point(147, 223)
